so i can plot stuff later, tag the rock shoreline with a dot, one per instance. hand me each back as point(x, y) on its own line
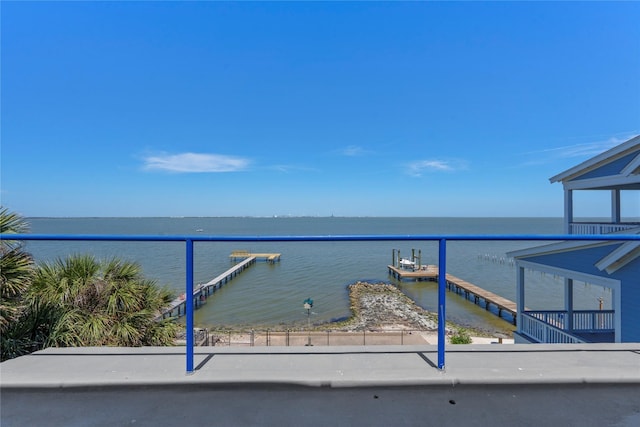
point(379, 306)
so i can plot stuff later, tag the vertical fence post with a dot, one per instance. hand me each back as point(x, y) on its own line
point(442, 285)
point(189, 305)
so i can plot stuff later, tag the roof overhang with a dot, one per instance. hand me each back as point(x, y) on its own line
point(633, 168)
point(618, 258)
point(630, 182)
point(608, 156)
point(560, 247)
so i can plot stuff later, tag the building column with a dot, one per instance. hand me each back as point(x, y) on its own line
point(568, 210)
point(617, 314)
point(568, 303)
point(519, 296)
point(615, 206)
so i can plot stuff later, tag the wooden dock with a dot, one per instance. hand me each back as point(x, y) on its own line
point(235, 255)
point(460, 287)
point(424, 272)
point(202, 291)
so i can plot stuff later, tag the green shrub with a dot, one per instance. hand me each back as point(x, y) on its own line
point(461, 336)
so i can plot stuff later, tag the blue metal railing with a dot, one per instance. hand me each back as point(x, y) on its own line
point(442, 258)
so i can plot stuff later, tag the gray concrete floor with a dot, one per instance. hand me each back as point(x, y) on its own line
point(582, 385)
point(469, 405)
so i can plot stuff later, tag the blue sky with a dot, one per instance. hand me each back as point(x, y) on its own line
point(305, 108)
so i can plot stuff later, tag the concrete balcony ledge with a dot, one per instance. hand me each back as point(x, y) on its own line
point(497, 385)
point(336, 367)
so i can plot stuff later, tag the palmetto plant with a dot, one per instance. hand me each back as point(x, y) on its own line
point(16, 272)
point(79, 301)
point(95, 303)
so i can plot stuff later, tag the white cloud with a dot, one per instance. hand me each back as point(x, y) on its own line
point(353, 150)
point(290, 168)
point(419, 167)
point(195, 163)
point(579, 151)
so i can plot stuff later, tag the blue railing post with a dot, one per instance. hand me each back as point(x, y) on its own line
point(442, 295)
point(189, 305)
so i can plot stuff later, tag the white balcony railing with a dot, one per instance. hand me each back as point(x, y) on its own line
point(600, 227)
point(583, 320)
point(552, 326)
point(543, 332)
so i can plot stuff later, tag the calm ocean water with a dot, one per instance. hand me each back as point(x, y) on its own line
point(272, 295)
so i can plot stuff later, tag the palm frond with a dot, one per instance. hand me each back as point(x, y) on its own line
point(11, 223)
point(121, 271)
point(94, 329)
point(125, 333)
point(16, 272)
point(162, 333)
point(64, 332)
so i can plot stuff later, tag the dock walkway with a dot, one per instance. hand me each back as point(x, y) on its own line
point(202, 291)
point(459, 286)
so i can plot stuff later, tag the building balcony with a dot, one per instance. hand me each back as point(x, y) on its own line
point(585, 326)
point(600, 227)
